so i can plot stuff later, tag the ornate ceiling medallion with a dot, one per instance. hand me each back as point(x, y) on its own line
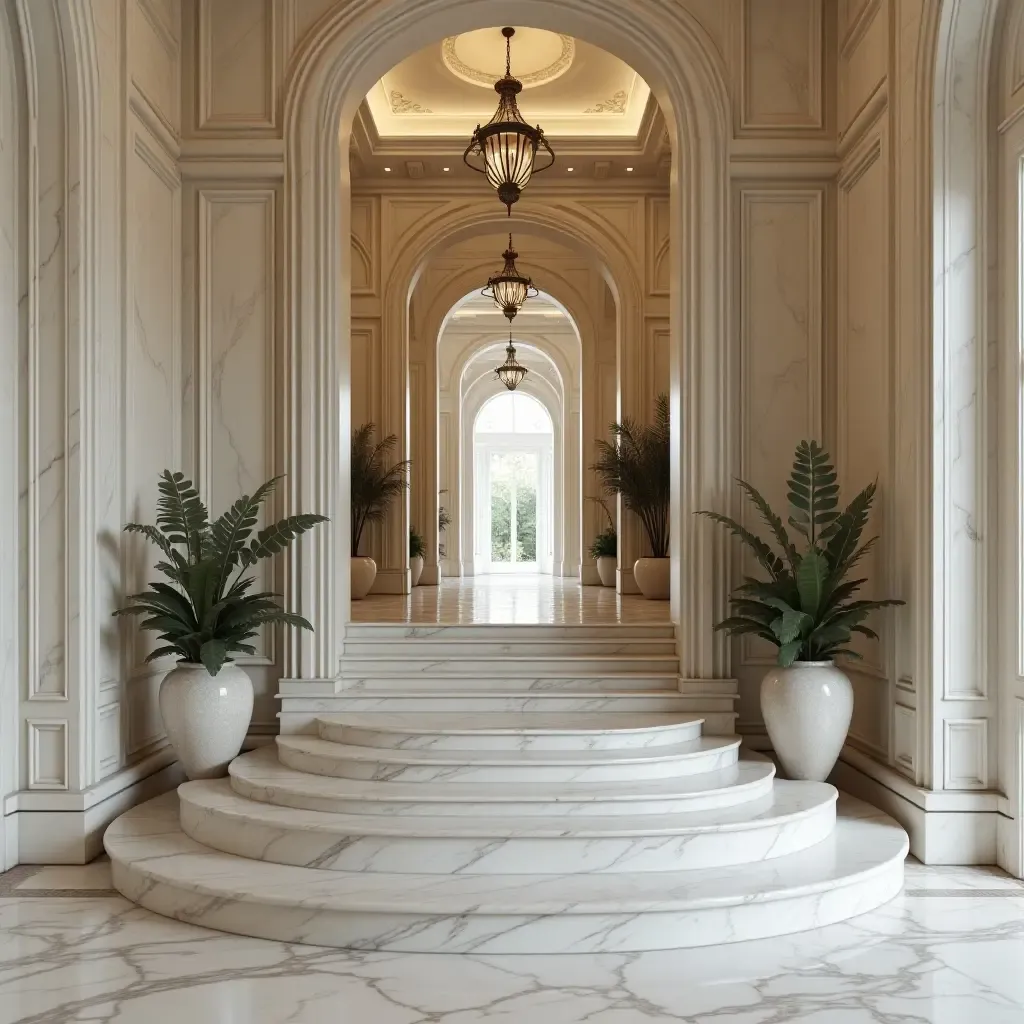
point(509, 289)
point(505, 149)
point(467, 57)
point(511, 373)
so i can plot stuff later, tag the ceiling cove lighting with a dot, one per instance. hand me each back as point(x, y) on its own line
point(511, 373)
point(505, 149)
point(509, 289)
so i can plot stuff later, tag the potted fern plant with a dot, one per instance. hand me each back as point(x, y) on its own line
point(807, 609)
point(604, 549)
point(636, 464)
point(206, 612)
point(374, 488)
point(417, 549)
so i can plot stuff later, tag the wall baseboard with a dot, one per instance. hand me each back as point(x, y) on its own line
point(944, 828)
point(53, 831)
point(392, 581)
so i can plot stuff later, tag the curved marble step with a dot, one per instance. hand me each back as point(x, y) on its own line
point(498, 647)
point(794, 816)
point(509, 731)
point(360, 631)
point(857, 868)
point(258, 775)
point(509, 666)
point(321, 757)
point(561, 681)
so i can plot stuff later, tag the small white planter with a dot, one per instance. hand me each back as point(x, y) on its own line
point(807, 709)
point(364, 572)
point(652, 576)
point(606, 569)
point(206, 716)
point(416, 568)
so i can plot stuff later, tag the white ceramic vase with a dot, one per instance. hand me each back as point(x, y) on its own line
point(807, 709)
point(364, 572)
point(206, 716)
point(653, 578)
point(416, 568)
point(606, 569)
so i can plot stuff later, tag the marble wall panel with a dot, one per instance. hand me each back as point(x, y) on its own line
point(237, 65)
point(864, 402)
point(154, 54)
point(782, 82)
point(780, 300)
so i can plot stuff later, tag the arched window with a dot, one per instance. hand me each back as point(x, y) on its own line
point(513, 413)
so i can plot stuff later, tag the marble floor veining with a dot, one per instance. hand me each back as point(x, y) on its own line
point(500, 599)
point(947, 951)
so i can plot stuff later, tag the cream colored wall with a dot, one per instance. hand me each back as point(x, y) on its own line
point(780, 56)
point(97, 406)
point(824, 322)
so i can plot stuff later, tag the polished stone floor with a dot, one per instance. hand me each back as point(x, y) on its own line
point(948, 951)
point(527, 599)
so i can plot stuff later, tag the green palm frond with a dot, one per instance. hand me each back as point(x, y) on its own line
point(374, 486)
point(206, 614)
point(636, 464)
point(807, 608)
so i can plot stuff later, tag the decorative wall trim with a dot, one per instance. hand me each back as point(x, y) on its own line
point(857, 28)
point(47, 753)
point(965, 753)
point(813, 119)
point(904, 744)
point(208, 118)
point(208, 334)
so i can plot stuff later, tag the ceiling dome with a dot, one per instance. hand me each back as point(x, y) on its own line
point(538, 57)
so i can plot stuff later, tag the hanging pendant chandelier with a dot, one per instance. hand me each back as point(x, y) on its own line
point(509, 289)
point(505, 149)
point(511, 373)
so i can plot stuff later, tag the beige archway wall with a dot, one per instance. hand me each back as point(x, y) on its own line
point(453, 271)
point(798, 284)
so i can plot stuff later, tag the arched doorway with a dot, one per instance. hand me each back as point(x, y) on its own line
point(513, 486)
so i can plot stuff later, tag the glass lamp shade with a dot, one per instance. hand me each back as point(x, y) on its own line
point(505, 149)
point(511, 373)
point(509, 289)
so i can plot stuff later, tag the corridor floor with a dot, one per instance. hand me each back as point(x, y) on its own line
point(947, 951)
point(500, 599)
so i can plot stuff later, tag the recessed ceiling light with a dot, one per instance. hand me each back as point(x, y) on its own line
point(630, 169)
point(569, 169)
point(388, 169)
point(445, 168)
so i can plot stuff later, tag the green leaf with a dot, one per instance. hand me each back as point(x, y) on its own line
point(230, 532)
point(152, 534)
point(788, 653)
point(277, 537)
point(790, 626)
point(213, 654)
point(810, 581)
point(774, 523)
point(162, 652)
point(767, 558)
point(813, 492)
point(180, 513)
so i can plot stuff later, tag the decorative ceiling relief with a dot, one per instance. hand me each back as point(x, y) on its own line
point(400, 105)
point(476, 58)
point(435, 92)
point(615, 105)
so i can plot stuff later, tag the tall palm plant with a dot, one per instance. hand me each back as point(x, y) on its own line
point(374, 487)
point(636, 464)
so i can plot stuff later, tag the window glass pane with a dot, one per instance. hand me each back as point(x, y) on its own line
point(513, 413)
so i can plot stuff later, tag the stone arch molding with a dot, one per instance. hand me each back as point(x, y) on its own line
point(353, 46)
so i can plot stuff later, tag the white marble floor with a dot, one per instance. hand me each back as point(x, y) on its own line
point(526, 599)
point(948, 951)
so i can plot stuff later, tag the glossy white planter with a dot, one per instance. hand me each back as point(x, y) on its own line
point(606, 570)
point(416, 568)
point(206, 716)
point(807, 709)
point(652, 576)
point(364, 572)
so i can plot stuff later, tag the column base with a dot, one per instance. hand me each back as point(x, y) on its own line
point(588, 575)
point(431, 576)
point(392, 581)
point(624, 581)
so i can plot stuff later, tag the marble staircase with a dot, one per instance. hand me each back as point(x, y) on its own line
point(523, 803)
